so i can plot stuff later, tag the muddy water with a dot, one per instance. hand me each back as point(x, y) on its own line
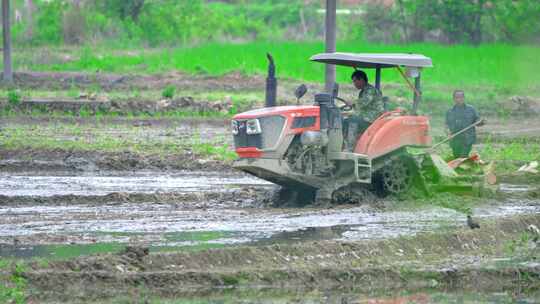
point(27, 231)
point(106, 183)
point(121, 222)
point(163, 226)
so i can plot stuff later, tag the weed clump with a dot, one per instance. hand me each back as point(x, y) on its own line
point(168, 92)
point(14, 97)
point(13, 287)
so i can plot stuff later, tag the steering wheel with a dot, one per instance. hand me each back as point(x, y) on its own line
point(345, 107)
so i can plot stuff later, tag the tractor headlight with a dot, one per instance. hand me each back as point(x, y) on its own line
point(234, 127)
point(253, 127)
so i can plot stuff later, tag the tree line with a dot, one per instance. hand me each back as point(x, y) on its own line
point(181, 22)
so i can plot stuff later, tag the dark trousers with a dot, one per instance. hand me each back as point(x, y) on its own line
point(461, 147)
point(354, 126)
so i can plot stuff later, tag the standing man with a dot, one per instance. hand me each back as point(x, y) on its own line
point(459, 117)
point(368, 107)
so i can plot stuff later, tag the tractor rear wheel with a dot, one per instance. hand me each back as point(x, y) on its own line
point(397, 177)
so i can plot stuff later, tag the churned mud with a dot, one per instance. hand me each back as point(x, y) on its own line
point(24, 160)
point(462, 259)
point(67, 80)
point(146, 234)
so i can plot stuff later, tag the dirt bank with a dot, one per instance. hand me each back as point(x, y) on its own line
point(458, 260)
point(30, 160)
point(124, 106)
point(182, 81)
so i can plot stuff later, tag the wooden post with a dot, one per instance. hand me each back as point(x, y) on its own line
point(6, 27)
point(330, 35)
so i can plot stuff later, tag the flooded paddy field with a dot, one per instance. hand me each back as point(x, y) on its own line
point(148, 209)
point(172, 209)
point(211, 237)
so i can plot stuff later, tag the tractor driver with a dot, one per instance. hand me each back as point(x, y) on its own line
point(368, 107)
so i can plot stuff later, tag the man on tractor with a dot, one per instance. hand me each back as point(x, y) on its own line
point(368, 107)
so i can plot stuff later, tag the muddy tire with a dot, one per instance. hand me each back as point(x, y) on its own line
point(397, 177)
point(289, 197)
point(353, 194)
point(323, 198)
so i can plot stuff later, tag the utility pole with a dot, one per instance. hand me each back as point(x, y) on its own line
point(330, 36)
point(6, 27)
point(29, 4)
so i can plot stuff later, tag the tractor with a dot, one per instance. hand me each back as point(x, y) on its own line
point(302, 147)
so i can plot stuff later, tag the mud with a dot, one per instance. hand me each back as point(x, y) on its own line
point(464, 260)
point(61, 205)
point(92, 161)
point(175, 216)
point(36, 208)
point(136, 182)
point(131, 106)
point(501, 130)
point(67, 80)
point(520, 178)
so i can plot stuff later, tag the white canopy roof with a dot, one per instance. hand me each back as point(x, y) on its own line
point(367, 60)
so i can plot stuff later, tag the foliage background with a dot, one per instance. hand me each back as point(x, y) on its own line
point(187, 22)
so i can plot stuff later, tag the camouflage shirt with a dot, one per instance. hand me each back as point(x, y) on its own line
point(369, 105)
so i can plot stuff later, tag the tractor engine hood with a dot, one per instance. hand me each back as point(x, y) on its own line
point(260, 132)
point(288, 111)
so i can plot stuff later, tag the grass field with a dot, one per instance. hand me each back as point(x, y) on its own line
point(503, 67)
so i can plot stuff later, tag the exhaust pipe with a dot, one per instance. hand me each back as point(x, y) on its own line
point(271, 83)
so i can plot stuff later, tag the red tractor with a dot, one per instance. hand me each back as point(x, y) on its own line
point(302, 147)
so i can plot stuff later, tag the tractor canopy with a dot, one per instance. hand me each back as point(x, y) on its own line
point(413, 64)
point(372, 61)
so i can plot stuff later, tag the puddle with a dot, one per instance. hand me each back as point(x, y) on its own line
point(117, 242)
point(146, 182)
point(168, 227)
point(107, 226)
point(511, 188)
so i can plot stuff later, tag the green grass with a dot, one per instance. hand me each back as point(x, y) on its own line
point(112, 138)
point(14, 97)
point(13, 285)
point(43, 254)
point(505, 68)
point(520, 149)
point(458, 203)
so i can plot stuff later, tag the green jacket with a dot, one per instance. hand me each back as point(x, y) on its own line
point(460, 117)
point(369, 104)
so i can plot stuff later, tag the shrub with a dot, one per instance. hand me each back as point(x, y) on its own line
point(49, 21)
point(168, 92)
point(14, 97)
